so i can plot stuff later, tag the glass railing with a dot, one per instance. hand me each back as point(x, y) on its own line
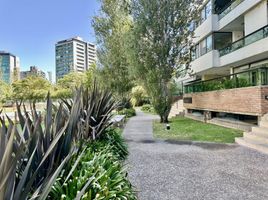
point(249, 39)
point(229, 8)
point(254, 77)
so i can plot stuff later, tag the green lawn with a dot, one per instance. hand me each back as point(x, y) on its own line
point(187, 129)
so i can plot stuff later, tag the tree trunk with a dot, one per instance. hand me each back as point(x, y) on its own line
point(164, 118)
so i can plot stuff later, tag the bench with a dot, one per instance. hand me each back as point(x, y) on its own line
point(118, 120)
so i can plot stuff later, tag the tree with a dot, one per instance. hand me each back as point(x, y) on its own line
point(72, 80)
point(31, 88)
point(111, 26)
point(5, 92)
point(15, 74)
point(160, 33)
point(66, 85)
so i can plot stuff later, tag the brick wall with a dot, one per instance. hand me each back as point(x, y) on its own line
point(249, 100)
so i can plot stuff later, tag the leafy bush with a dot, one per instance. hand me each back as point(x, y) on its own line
point(124, 103)
point(148, 108)
point(5, 92)
point(138, 96)
point(225, 83)
point(34, 152)
point(113, 138)
point(128, 112)
point(98, 174)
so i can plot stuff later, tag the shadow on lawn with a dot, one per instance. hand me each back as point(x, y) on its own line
point(204, 145)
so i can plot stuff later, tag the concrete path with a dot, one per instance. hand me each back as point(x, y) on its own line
point(166, 170)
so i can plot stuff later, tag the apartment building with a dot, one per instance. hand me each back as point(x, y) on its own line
point(229, 60)
point(9, 67)
point(34, 71)
point(74, 55)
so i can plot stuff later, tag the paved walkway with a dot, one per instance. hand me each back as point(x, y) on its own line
point(162, 170)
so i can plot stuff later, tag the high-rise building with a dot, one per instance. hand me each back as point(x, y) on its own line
point(34, 71)
point(74, 55)
point(9, 67)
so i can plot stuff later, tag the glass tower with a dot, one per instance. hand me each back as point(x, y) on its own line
point(9, 65)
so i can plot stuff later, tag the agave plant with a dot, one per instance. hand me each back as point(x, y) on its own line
point(34, 151)
point(96, 111)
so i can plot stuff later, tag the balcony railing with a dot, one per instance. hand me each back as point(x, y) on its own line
point(229, 8)
point(249, 39)
point(248, 78)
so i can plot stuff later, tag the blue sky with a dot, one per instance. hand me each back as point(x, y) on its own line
point(30, 28)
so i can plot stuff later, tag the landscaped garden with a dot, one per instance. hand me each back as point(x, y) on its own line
point(70, 151)
point(182, 128)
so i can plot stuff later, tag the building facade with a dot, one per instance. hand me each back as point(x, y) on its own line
point(74, 55)
point(34, 71)
point(229, 61)
point(9, 67)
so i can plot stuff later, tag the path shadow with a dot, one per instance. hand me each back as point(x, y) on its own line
point(203, 145)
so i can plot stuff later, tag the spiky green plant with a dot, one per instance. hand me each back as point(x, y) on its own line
point(96, 111)
point(34, 151)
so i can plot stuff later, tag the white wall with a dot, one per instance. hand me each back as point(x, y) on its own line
point(238, 11)
point(256, 18)
point(237, 35)
point(204, 29)
point(207, 61)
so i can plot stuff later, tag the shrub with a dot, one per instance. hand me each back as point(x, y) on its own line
point(128, 112)
point(124, 103)
point(113, 138)
point(97, 175)
point(138, 96)
point(148, 108)
point(34, 152)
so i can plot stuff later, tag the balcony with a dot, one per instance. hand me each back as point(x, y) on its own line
point(249, 39)
point(254, 77)
point(235, 10)
point(228, 8)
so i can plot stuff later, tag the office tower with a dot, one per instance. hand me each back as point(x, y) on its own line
point(9, 67)
point(74, 55)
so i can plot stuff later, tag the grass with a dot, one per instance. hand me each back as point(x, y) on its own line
point(182, 128)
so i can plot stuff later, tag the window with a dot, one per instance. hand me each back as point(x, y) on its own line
point(203, 47)
point(209, 43)
point(222, 39)
point(203, 15)
point(193, 53)
point(240, 69)
point(206, 11)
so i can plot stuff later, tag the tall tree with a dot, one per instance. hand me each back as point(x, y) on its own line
point(159, 37)
point(111, 26)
